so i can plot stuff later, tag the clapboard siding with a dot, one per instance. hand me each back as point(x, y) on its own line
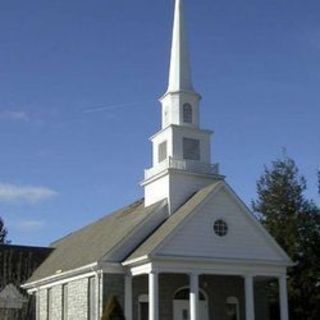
point(196, 238)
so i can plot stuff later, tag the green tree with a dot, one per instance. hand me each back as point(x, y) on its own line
point(113, 310)
point(294, 222)
point(3, 232)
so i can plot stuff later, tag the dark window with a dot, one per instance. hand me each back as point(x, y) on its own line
point(233, 308)
point(187, 113)
point(191, 149)
point(220, 228)
point(144, 310)
point(184, 294)
point(162, 151)
point(232, 311)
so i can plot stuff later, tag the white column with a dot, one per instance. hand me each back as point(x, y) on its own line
point(128, 297)
point(283, 295)
point(249, 296)
point(194, 296)
point(153, 296)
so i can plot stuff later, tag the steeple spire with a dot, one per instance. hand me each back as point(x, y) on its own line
point(181, 156)
point(180, 70)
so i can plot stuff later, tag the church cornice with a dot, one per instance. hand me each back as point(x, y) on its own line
point(180, 127)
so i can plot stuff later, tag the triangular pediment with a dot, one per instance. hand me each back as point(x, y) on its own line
point(11, 298)
point(246, 239)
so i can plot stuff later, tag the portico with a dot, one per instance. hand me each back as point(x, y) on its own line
point(201, 279)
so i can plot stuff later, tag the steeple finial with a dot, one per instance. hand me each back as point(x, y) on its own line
point(180, 71)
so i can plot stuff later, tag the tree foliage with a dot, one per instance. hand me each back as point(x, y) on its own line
point(294, 222)
point(3, 232)
point(113, 310)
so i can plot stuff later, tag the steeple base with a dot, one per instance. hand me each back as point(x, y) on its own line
point(176, 185)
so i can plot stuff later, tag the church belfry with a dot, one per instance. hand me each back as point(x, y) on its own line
point(181, 156)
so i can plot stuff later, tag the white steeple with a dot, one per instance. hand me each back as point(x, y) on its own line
point(180, 70)
point(181, 157)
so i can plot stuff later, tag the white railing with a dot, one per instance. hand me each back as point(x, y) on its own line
point(182, 164)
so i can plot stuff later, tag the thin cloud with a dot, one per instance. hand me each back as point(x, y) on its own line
point(14, 115)
point(30, 225)
point(113, 106)
point(10, 193)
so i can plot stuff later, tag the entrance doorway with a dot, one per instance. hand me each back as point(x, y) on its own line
point(143, 307)
point(181, 305)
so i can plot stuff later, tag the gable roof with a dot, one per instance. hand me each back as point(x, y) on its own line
point(156, 238)
point(10, 292)
point(93, 242)
point(152, 246)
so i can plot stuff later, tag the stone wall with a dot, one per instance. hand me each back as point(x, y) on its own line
point(42, 304)
point(77, 301)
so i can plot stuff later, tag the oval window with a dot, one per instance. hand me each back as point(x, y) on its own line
point(220, 228)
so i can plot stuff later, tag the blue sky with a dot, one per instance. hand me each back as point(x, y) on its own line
point(79, 86)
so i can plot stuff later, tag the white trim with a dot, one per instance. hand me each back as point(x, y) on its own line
point(203, 132)
point(195, 210)
point(101, 294)
point(143, 269)
point(188, 287)
point(74, 274)
point(247, 213)
point(179, 92)
point(234, 300)
point(61, 275)
point(165, 171)
point(218, 267)
point(219, 260)
point(258, 224)
point(135, 261)
point(46, 285)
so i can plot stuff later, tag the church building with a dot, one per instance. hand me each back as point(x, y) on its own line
point(189, 250)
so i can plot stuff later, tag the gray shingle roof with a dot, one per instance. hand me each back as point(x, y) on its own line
point(93, 242)
point(156, 238)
